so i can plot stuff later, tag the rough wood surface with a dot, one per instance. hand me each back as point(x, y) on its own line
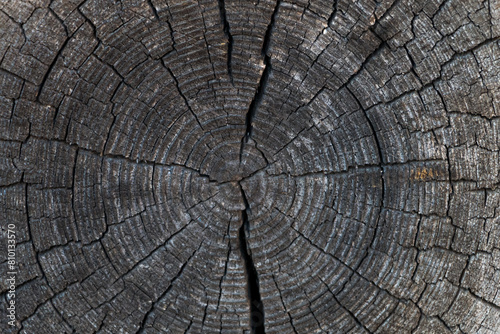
point(239, 166)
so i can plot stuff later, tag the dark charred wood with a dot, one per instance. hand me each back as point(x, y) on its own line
point(230, 166)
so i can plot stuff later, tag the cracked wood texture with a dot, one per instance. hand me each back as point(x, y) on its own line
point(232, 166)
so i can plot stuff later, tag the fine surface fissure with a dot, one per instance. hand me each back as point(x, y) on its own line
point(142, 326)
point(182, 94)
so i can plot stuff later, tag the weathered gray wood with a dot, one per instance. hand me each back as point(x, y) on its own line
point(228, 166)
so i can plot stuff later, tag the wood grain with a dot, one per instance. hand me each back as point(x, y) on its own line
point(230, 166)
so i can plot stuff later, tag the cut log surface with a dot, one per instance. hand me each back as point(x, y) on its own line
point(236, 166)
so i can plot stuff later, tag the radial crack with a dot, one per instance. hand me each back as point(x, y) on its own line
point(153, 8)
point(259, 93)
point(227, 32)
point(334, 13)
point(256, 306)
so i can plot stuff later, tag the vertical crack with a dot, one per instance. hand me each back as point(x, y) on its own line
point(259, 93)
point(334, 13)
point(256, 306)
point(153, 8)
point(227, 32)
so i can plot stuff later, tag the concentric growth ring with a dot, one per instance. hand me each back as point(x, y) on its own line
point(238, 167)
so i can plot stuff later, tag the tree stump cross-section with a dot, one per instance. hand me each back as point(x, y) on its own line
point(235, 166)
